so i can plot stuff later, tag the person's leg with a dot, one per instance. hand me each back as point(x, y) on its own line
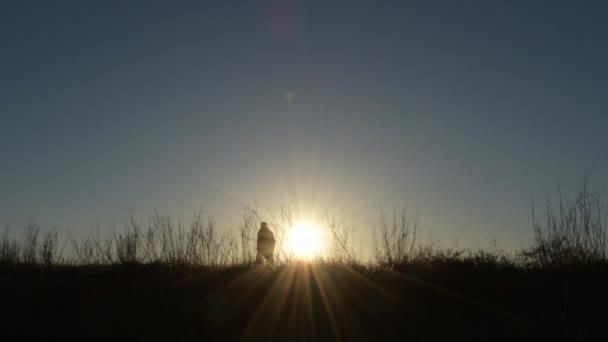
point(259, 259)
point(270, 259)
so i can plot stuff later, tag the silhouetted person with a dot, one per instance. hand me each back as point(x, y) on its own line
point(266, 244)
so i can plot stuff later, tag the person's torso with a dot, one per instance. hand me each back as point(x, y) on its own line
point(265, 237)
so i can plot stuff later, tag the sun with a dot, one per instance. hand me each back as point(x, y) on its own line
point(305, 240)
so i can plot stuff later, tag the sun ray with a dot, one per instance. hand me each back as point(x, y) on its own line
point(285, 279)
point(325, 299)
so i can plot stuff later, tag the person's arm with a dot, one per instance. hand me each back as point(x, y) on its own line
point(259, 241)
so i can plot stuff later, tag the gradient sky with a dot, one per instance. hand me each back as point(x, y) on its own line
point(461, 110)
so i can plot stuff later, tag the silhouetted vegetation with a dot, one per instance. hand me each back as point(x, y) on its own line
point(165, 280)
point(572, 233)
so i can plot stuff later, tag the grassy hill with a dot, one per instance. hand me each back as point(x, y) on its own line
point(440, 300)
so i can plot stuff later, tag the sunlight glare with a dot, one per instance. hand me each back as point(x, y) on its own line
point(305, 240)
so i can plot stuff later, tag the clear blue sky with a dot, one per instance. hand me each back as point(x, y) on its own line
point(463, 110)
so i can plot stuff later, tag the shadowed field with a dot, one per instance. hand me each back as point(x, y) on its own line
point(300, 301)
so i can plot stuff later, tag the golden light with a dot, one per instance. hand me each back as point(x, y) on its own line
point(305, 240)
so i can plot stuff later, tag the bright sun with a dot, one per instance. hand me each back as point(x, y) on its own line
point(305, 240)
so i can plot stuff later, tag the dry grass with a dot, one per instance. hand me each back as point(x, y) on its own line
point(572, 232)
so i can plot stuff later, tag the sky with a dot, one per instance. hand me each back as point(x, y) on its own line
point(463, 111)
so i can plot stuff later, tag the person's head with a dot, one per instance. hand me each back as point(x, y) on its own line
point(264, 225)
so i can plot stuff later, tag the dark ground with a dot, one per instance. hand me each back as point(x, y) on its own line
point(456, 302)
